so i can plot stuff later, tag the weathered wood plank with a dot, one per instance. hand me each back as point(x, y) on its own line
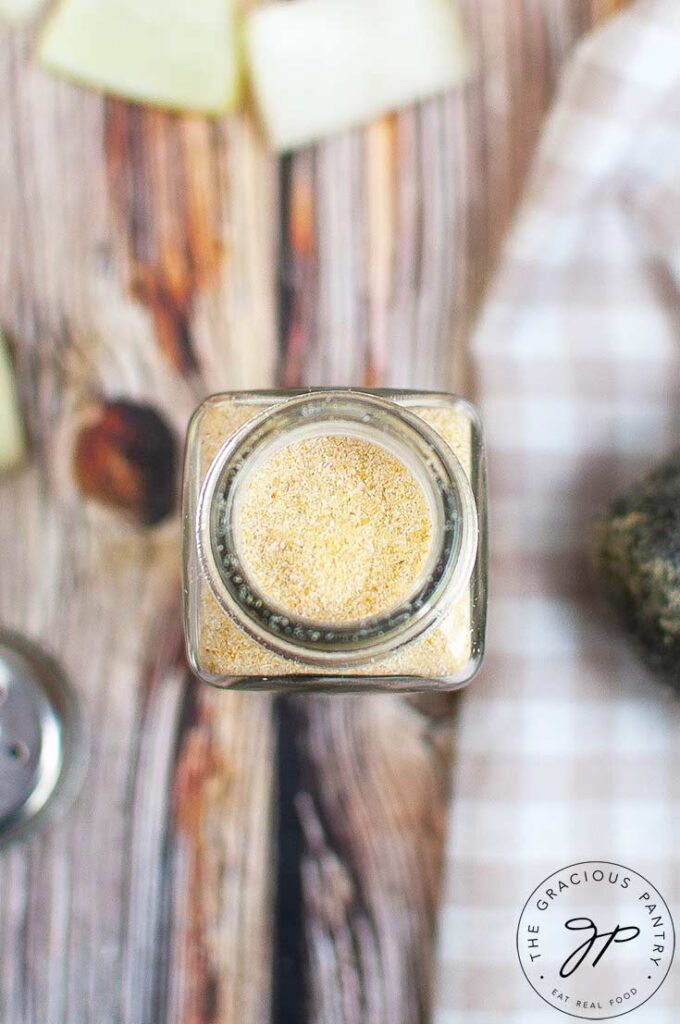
point(373, 823)
point(136, 263)
point(391, 237)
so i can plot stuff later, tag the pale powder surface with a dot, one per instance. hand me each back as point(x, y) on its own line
point(225, 650)
point(334, 529)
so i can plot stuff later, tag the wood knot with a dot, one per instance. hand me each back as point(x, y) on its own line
point(126, 458)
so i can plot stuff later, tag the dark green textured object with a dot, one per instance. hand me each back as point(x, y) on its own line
point(637, 557)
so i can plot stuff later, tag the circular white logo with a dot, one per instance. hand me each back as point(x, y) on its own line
point(595, 940)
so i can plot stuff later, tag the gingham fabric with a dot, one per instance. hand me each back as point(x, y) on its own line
point(567, 749)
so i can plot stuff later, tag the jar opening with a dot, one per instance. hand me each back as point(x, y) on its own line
point(336, 524)
point(419, 465)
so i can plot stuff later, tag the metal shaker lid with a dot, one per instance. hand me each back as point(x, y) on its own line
point(42, 740)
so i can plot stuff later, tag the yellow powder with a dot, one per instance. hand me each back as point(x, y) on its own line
point(225, 650)
point(334, 529)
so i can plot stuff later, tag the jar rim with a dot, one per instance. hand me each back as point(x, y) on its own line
point(352, 413)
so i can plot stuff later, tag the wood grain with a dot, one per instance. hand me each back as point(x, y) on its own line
point(373, 825)
point(391, 236)
point(139, 262)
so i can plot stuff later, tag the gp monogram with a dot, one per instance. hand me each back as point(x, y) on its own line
point(595, 940)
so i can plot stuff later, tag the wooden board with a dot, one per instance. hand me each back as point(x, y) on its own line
point(231, 858)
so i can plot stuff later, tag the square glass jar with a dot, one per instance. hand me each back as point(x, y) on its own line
point(391, 454)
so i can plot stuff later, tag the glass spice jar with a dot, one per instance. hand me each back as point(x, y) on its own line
point(335, 539)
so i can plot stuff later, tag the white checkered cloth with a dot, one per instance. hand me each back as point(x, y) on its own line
point(567, 749)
